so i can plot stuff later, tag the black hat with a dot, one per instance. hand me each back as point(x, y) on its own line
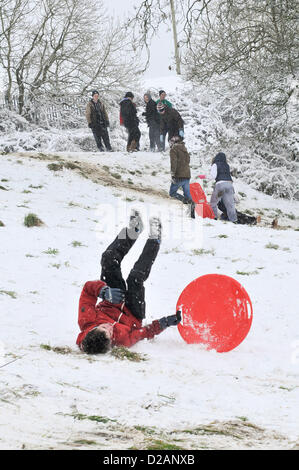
point(129, 94)
point(161, 91)
point(94, 92)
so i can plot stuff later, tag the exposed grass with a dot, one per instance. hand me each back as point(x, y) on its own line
point(96, 418)
point(244, 273)
point(157, 444)
point(36, 187)
point(55, 166)
point(222, 236)
point(51, 251)
point(85, 442)
point(11, 293)
point(26, 191)
point(116, 176)
point(55, 265)
point(76, 243)
point(1, 224)
point(3, 188)
point(201, 251)
point(272, 246)
point(124, 353)
point(56, 349)
point(31, 220)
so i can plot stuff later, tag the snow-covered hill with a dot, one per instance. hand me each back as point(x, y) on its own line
point(177, 395)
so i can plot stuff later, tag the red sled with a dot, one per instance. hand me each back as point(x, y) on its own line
point(203, 208)
point(216, 312)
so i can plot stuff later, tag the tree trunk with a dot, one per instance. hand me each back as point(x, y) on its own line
point(175, 39)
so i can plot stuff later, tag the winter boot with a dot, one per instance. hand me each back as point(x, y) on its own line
point(155, 229)
point(135, 224)
point(192, 210)
point(133, 146)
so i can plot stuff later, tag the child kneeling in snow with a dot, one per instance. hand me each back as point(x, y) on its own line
point(117, 319)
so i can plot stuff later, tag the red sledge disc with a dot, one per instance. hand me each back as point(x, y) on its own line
point(203, 208)
point(216, 311)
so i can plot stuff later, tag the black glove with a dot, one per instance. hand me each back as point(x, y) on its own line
point(171, 320)
point(112, 295)
point(90, 126)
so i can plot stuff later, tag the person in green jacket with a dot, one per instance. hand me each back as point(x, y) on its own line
point(162, 95)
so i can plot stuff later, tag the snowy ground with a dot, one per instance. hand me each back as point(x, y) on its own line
point(53, 396)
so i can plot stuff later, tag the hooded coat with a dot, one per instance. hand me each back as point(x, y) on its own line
point(223, 169)
point(171, 121)
point(127, 329)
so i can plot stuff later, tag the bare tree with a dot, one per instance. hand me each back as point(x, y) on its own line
point(251, 45)
point(57, 47)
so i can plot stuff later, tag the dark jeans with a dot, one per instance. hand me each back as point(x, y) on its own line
point(154, 135)
point(112, 275)
point(185, 185)
point(100, 133)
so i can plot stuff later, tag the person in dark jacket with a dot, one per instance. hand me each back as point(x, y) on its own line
point(180, 172)
point(98, 122)
point(153, 121)
point(224, 189)
point(117, 319)
point(171, 122)
point(131, 122)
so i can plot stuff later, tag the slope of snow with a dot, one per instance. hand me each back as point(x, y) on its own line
point(178, 386)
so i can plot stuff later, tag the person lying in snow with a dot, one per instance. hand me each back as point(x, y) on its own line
point(241, 218)
point(117, 319)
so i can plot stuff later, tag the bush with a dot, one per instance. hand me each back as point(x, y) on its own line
point(31, 220)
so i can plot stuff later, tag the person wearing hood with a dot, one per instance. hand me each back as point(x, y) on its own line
point(130, 120)
point(116, 319)
point(171, 122)
point(223, 190)
point(153, 121)
point(98, 122)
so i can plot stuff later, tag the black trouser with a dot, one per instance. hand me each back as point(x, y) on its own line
point(154, 135)
point(99, 133)
point(112, 275)
point(242, 218)
point(134, 134)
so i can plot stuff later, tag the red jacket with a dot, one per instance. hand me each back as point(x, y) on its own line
point(127, 329)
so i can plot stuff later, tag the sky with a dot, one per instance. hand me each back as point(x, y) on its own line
point(162, 53)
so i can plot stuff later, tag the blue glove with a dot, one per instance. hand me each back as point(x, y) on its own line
point(112, 295)
point(181, 133)
point(161, 138)
point(171, 320)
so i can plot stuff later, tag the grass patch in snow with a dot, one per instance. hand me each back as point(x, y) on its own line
point(202, 251)
point(26, 191)
point(31, 220)
point(116, 176)
point(1, 224)
point(124, 353)
point(51, 251)
point(157, 444)
point(55, 166)
point(272, 246)
point(11, 293)
point(222, 236)
point(96, 418)
point(76, 243)
point(244, 273)
point(36, 187)
point(3, 188)
point(56, 349)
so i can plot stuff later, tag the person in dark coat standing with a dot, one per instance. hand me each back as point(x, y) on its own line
point(180, 173)
point(117, 319)
point(153, 121)
point(98, 122)
point(131, 122)
point(224, 190)
point(171, 122)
